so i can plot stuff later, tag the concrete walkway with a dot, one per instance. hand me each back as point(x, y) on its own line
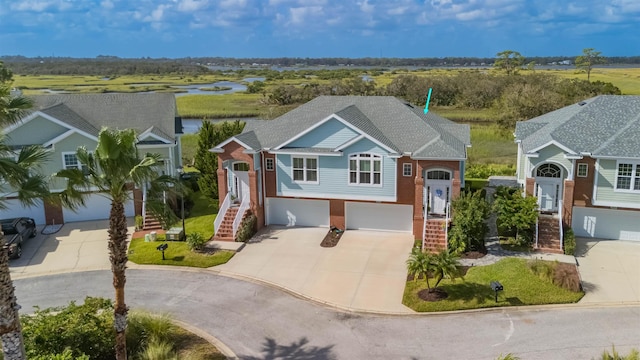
point(365, 271)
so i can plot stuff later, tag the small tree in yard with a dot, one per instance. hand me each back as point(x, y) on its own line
point(470, 211)
point(516, 213)
point(443, 265)
point(420, 264)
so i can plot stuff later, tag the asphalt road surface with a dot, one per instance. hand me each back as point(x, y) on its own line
point(260, 322)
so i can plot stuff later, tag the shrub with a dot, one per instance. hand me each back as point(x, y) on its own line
point(196, 241)
point(470, 210)
point(543, 269)
point(145, 328)
point(569, 242)
point(614, 355)
point(484, 171)
point(139, 222)
point(566, 276)
point(158, 350)
point(247, 228)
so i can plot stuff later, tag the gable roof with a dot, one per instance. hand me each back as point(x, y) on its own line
point(153, 113)
point(603, 126)
point(388, 120)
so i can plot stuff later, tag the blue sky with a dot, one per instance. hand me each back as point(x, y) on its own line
point(317, 28)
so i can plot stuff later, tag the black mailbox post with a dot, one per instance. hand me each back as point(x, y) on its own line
point(496, 286)
point(162, 248)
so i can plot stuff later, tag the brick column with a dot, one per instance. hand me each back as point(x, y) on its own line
point(137, 201)
point(256, 209)
point(529, 187)
point(53, 214)
point(418, 214)
point(222, 181)
point(567, 202)
point(455, 189)
point(336, 213)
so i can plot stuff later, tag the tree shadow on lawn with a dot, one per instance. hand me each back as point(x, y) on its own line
point(178, 258)
point(468, 291)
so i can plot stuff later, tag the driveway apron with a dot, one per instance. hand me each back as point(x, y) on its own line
point(366, 270)
point(610, 270)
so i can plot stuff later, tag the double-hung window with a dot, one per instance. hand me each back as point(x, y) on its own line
point(305, 169)
point(70, 161)
point(628, 176)
point(365, 169)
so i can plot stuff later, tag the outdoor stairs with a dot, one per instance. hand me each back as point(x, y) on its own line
point(549, 234)
point(151, 223)
point(435, 235)
point(225, 232)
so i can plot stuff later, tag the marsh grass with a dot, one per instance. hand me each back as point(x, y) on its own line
point(220, 106)
point(491, 144)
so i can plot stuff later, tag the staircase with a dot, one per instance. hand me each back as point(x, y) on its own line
point(435, 236)
point(151, 223)
point(549, 234)
point(225, 231)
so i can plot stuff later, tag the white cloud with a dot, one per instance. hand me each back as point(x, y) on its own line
point(39, 5)
point(365, 7)
point(107, 4)
point(300, 15)
point(191, 5)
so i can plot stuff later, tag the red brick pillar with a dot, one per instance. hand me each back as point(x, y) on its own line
point(53, 214)
point(254, 194)
point(336, 213)
point(530, 184)
point(222, 182)
point(418, 211)
point(455, 191)
point(567, 202)
point(137, 201)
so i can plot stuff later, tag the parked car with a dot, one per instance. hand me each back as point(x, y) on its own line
point(16, 231)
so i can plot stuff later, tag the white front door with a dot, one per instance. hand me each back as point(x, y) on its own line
point(548, 196)
point(240, 184)
point(438, 193)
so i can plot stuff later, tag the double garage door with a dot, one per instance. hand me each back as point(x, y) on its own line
point(97, 208)
point(606, 224)
point(15, 209)
point(364, 216)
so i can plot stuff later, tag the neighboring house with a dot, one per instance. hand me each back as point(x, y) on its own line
point(583, 164)
point(350, 162)
point(62, 123)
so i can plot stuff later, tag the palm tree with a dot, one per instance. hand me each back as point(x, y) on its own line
point(420, 263)
point(445, 265)
point(17, 178)
point(112, 169)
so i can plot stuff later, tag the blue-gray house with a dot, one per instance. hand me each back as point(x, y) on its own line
point(353, 162)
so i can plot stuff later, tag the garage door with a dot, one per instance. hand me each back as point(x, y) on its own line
point(297, 212)
point(15, 209)
point(373, 216)
point(97, 208)
point(606, 224)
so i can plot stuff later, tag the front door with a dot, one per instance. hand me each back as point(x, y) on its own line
point(437, 195)
point(548, 196)
point(241, 184)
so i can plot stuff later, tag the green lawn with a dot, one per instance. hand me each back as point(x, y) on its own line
point(521, 287)
point(202, 216)
point(178, 253)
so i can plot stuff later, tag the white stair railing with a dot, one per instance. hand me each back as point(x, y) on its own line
point(537, 226)
point(144, 205)
point(222, 210)
point(244, 205)
point(446, 225)
point(424, 226)
point(560, 226)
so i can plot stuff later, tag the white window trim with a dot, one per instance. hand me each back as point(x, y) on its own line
point(305, 169)
point(357, 156)
point(586, 170)
point(635, 165)
point(269, 164)
point(64, 163)
point(406, 166)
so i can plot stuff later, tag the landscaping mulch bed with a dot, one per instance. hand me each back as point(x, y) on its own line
point(332, 238)
point(433, 294)
point(473, 255)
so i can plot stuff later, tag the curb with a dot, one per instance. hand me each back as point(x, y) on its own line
point(222, 347)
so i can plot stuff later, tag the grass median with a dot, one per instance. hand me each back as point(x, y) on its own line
point(521, 287)
point(177, 253)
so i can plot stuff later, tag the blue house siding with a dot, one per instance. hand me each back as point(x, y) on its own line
point(333, 174)
point(331, 134)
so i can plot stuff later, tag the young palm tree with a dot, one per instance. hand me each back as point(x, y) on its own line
point(17, 178)
point(112, 168)
point(445, 265)
point(420, 263)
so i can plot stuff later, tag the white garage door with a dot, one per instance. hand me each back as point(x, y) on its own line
point(97, 207)
point(373, 216)
point(15, 209)
point(606, 224)
point(297, 212)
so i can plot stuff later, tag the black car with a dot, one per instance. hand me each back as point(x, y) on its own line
point(15, 232)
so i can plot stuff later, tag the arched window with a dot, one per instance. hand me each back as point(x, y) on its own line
point(365, 169)
point(549, 171)
point(240, 166)
point(438, 175)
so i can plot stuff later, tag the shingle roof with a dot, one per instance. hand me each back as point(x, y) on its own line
point(387, 119)
point(606, 125)
point(90, 112)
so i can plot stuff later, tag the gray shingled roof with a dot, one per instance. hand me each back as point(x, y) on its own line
point(90, 112)
point(606, 125)
point(387, 119)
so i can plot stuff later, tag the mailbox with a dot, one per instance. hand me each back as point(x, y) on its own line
point(162, 247)
point(496, 286)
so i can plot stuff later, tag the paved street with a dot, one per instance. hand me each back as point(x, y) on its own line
point(254, 320)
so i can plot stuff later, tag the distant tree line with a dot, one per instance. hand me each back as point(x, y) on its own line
point(513, 97)
point(112, 65)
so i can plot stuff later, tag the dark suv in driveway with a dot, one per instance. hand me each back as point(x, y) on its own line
point(15, 232)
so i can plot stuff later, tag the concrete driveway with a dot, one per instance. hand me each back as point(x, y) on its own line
point(610, 270)
point(77, 246)
point(366, 270)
